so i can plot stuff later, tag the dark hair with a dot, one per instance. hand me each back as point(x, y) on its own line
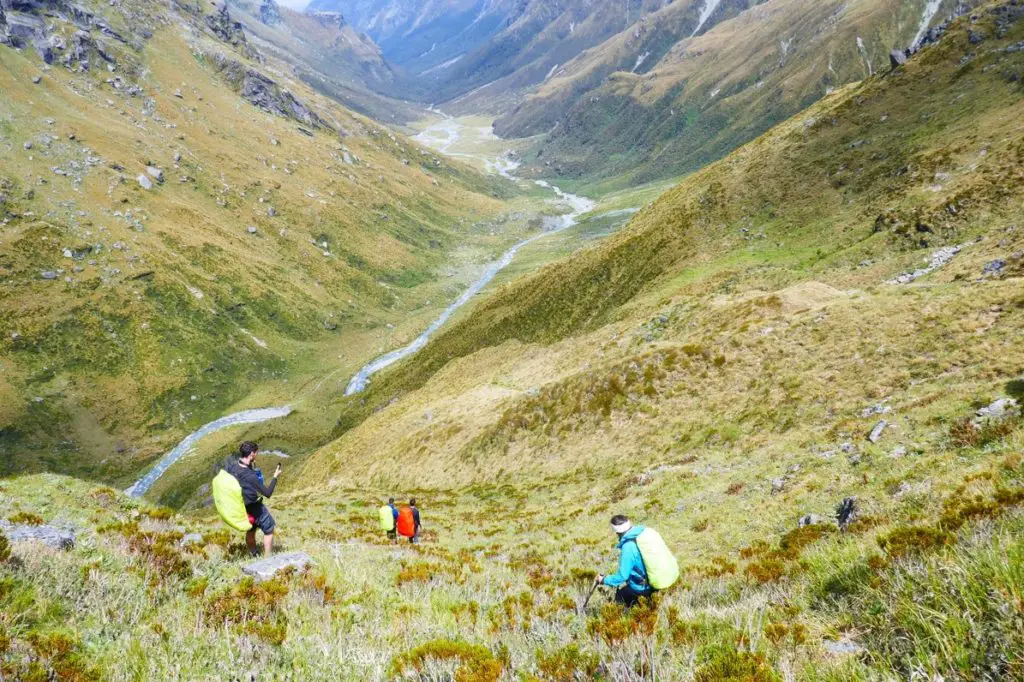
point(619, 519)
point(247, 448)
point(412, 501)
point(391, 500)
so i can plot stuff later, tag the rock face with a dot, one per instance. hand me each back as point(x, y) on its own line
point(270, 13)
point(57, 538)
point(265, 569)
point(328, 19)
point(266, 94)
point(897, 58)
point(230, 31)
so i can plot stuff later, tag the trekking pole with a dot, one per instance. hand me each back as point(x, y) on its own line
point(587, 600)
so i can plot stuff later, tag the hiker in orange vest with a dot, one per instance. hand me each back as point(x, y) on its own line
point(408, 523)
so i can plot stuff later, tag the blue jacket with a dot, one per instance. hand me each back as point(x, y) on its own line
point(631, 565)
point(394, 511)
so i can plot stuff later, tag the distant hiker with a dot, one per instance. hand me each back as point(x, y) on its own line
point(645, 563)
point(389, 519)
point(238, 491)
point(408, 522)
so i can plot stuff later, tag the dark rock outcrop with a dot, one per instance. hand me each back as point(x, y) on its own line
point(329, 19)
point(230, 31)
point(897, 58)
point(270, 13)
point(261, 91)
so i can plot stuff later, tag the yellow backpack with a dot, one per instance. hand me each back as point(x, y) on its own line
point(387, 518)
point(227, 496)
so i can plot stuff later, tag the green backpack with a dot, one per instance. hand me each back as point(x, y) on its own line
point(661, 566)
point(387, 518)
point(227, 495)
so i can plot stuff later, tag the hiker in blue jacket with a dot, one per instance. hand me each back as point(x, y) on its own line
point(631, 579)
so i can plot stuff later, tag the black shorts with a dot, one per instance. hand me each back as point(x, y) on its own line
point(263, 520)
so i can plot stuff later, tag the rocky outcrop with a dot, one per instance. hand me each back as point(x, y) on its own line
point(270, 13)
point(56, 538)
point(265, 569)
point(30, 22)
point(328, 19)
point(261, 91)
point(230, 31)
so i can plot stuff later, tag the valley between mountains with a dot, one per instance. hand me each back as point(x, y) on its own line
point(727, 268)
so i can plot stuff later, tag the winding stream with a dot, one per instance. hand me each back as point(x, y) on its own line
point(553, 225)
point(450, 128)
point(143, 485)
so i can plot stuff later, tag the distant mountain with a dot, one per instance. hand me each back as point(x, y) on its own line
point(330, 54)
point(453, 47)
point(680, 89)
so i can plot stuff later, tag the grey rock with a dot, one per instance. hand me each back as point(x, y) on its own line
point(37, 79)
point(271, 212)
point(875, 410)
point(177, 157)
point(155, 173)
point(56, 538)
point(994, 267)
point(898, 452)
point(854, 459)
point(997, 411)
point(145, 182)
point(347, 158)
point(897, 58)
point(778, 485)
point(842, 647)
point(270, 13)
point(177, 93)
point(251, 229)
point(265, 569)
point(876, 433)
point(847, 448)
point(192, 539)
point(811, 520)
point(27, 145)
point(49, 274)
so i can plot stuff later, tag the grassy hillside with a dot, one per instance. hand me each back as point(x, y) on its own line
point(612, 116)
point(748, 353)
point(279, 245)
point(850, 194)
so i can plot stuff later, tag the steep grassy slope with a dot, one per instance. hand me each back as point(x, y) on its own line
point(848, 194)
point(273, 244)
point(331, 56)
point(728, 369)
point(656, 102)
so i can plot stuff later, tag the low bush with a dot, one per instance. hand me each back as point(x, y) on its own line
point(476, 662)
point(253, 608)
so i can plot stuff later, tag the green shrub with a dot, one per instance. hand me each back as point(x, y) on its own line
point(907, 540)
point(726, 663)
point(567, 664)
point(476, 662)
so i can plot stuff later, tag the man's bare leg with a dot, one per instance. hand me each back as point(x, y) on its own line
point(250, 540)
point(268, 544)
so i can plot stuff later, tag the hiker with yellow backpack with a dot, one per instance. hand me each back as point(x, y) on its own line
point(646, 564)
point(388, 515)
point(238, 492)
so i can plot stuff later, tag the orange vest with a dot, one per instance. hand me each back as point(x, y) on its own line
point(406, 524)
